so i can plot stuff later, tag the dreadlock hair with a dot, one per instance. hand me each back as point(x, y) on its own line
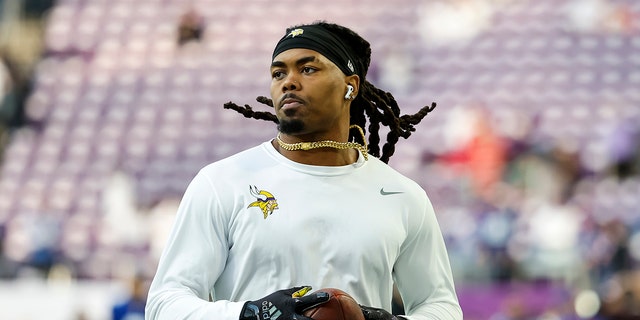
point(376, 105)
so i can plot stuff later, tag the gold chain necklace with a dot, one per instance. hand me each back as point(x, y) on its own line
point(326, 144)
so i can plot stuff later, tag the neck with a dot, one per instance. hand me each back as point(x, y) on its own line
point(325, 152)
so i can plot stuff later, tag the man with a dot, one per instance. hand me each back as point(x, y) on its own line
point(309, 207)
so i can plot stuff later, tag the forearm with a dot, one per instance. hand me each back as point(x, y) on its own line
point(170, 304)
point(436, 311)
point(430, 311)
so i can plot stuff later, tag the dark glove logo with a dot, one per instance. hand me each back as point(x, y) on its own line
point(264, 200)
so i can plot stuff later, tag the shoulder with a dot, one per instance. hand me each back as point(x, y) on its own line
point(244, 161)
point(383, 173)
point(229, 176)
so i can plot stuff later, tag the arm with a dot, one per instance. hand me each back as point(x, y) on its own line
point(192, 260)
point(195, 256)
point(423, 273)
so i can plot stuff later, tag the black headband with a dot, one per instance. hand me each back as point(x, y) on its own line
point(317, 38)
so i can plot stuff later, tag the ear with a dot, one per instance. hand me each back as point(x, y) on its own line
point(353, 81)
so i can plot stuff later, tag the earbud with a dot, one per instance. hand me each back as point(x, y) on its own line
point(349, 91)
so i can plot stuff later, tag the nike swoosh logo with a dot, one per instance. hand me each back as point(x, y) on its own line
point(386, 193)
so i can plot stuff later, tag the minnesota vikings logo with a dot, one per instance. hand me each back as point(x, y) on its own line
point(264, 200)
point(296, 32)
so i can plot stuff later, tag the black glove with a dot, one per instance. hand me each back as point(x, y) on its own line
point(377, 314)
point(283, 305)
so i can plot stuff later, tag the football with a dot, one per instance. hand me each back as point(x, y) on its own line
point(341, 306)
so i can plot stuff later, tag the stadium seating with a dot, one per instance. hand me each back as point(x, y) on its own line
point(114, 93)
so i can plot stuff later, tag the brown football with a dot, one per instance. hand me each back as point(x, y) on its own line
point(341, 306)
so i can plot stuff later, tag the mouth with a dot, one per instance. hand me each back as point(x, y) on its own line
point(290, 100)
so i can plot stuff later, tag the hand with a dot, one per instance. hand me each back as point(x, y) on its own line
point(377, 314)
point(284, 304)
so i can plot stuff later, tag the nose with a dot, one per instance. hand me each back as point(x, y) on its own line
point(291, 83)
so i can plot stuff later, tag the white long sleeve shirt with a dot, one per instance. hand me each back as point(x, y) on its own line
point(257, 222)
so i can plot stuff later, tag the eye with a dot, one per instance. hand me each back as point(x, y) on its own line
point(308, 70)
point(277, 75)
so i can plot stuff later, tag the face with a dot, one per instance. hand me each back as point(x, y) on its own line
point(308, 91)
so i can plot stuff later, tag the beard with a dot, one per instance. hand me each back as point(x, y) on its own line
point(291, 126)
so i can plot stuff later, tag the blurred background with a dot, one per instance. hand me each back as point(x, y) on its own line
point(531, 159)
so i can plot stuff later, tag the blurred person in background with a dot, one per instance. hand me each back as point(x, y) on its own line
point(8, 267)
point(37, 8)
point(314, 206)
point(190, 28)
point(132, 307)
point(13, 93)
